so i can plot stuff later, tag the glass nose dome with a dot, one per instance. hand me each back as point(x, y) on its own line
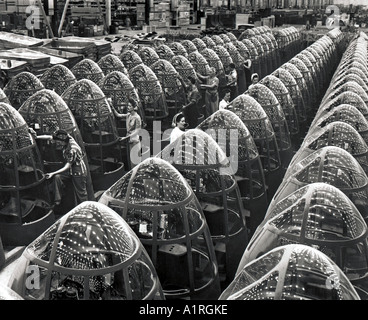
point(189, 46)
point(291, 272)
point(292, 86)
point(217, 39)
point(199, 63)
point(184, 67)
point(171, 84)
point(208, 42)
point(178, 49)
point(96, 122)
point(200, 45)
point(159, 205)
point(214, 61)
point(265, 97)
point(21, 87)
point(111, 63)
point(117, 86)
point(165, 52)
point(243, 153)
point(150, 92)
point(89, 254)
point(87, 69)
point(24, 198)
point(130, 59)
point(331, 165)
point(348, 86)
point(345, 113)
point(148, 55)
point(284, 98)
point(321, 216)
point(338, 134)
point(224, 56)
point(58, 78)
point(260, 127)
point(201, 161)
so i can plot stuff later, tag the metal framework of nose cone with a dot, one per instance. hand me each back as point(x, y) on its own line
point(214, 61)
point(249, 175)
point(224, 56)
point(338, 134)
point(282, 94)
point(202, 162)
point(150, 92)
point(309, 74)
point(159, 205)
point(200, 45)
point(307, 56)
point(178, 49)
point(315, 59)
point(3, 97)
point(225, 38)
point(189, 46)
point(243, 49)
point(273, 51)
point(130, 59)
point(217, 39)
point(199, 63)
point(58, 78)
point(291, 272)
point(323, 217)
point(232, 37)
point(48, 112)
point(171, 85)
point(292, 86)
point(165, 52)
point(267, 54)
point(265, 97)
point(148, 55)
point(25, 209)
point(298, 76)
point(343, 112)
point(254, 56)
point(348, 77)
point(117, 86)
point(347, 86)
point(91, 253)
point(96, 122)
point(305, 82)
point(184, 67)
point(283, 44)
point(209, 42)
point(21, 87)
point(331, 165)
point(8, 294)
point(246, 34)
point(111, 63)
point(262, 66)
point(239, 61)
point(260, 127)
point(87, 69)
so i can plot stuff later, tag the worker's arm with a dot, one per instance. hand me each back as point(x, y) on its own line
point(51, 174)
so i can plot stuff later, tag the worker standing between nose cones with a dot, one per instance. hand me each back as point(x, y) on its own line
point(225, 100)
point(133, 126)
point(211, 87)
point(178, 124)
point(232, 81)
point(74, 167)
point(191, 109)
point(254, 79)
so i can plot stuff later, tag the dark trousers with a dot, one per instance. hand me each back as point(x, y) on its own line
point(79, 185)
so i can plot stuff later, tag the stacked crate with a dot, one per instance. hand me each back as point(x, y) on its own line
point(160, 14)
point(141, 13)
